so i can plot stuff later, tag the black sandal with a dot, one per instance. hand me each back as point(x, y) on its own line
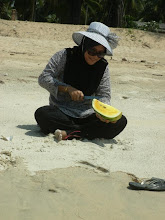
point(153, 184)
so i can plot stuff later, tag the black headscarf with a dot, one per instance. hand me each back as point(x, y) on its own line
point(78, 73)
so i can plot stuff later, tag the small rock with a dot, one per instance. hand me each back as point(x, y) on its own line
point(8, 153)
point(124, 59)
point(52, 190)
point(124, 97)
point(157, 74)
point(13, 161)
point(146, 45)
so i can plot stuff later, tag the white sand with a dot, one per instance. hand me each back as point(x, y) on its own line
point(73, 194)
point(138, 89)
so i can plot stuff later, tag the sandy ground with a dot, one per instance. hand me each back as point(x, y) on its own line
point(43, 179)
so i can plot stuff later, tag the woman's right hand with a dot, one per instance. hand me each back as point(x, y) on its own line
point(75, 94)
point(104, 120)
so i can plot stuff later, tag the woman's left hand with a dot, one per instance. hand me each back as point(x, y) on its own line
point(104, 120)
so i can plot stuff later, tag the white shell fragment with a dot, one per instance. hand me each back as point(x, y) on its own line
point(6, 138)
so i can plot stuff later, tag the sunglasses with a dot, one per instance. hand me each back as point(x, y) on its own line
point(93, 52)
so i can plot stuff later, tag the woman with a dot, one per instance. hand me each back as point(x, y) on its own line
point(71, 76)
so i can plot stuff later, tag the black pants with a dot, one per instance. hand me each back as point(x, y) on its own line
point(50, 118)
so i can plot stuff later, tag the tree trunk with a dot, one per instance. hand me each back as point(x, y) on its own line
point(75, 11)
point(33, 14)
point(115, 13)
point(14, 15)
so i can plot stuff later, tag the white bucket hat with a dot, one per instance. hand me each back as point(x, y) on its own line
point(100, 33)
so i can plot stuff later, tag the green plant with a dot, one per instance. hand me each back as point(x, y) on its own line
point(129, 22)
point(90, 10)
point(6, 10)
point(152, 26)
point(153, 10)
point(52, 18)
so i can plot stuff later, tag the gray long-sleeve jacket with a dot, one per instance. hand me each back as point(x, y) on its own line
point(52, 77)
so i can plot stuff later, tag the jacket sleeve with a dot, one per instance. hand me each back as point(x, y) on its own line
point(104, 89)
point(52, 75)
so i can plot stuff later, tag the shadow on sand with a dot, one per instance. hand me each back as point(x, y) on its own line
point(32, 130)
point(35, 131)
point(101, 142)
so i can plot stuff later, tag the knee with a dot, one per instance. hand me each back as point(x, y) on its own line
point(39, 114)
point(124, 120)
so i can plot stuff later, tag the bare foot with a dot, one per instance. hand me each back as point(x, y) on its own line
point(60, 134)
